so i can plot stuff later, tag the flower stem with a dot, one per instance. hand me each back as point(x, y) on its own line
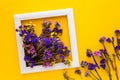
point(116, 71)
point(95, 61)
point(93, 75)
point(117, 40)
point(108, 57)
point(115, 51)
point(98, 74)
point(109, 72)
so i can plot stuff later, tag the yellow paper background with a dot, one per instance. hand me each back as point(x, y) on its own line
point(93, 18)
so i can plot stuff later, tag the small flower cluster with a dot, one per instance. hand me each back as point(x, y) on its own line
point(45, 49)
point(107, 60)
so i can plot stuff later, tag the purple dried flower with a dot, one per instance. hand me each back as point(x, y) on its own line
point(27, 58)
point(84, 64)
point(32, 63)
point(62, 57)
point(89, 53)
point(77, 71)
point(117, 32)
point(117, 48)
point(46, 40)
point(57, 24)
point(17, 30)
point(47, 55)
point(57, 30)
point(91, 66)
point(59, 50)
point(103, 51)
point(102, 63)
point(108, 40)
point(86, 74)
point(27, 37)
point(46, 30)
point(20, 26)
point(102, 39)
point(20, 35)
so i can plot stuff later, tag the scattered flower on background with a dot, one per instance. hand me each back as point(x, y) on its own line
point(84, 64)
point(78, 71)
point(107, 60)
point(90, 54)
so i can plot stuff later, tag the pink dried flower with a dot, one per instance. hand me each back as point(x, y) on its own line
point(97, 53)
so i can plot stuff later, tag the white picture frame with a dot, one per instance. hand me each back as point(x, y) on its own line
point(53, 13)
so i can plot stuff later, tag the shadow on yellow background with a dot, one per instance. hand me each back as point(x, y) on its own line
point(93, 19)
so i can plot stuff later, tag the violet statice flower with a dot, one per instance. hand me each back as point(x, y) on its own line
point(86, 74)
point(117, 32)
point(47, 55)
point(17, 30)
point(57, 24)
point(117, 48)
point(84, 64)
point(97, 53)
point(47, 41)
point(32, 63)
point(31, 38)
point(89, 53)
point(77, 71)
point(108, 40)
point(27, 58)
point(62, 57)
point(57, 30)
point(91, 66)
point(59, 50)
point(102, 39)
point(102, 63)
